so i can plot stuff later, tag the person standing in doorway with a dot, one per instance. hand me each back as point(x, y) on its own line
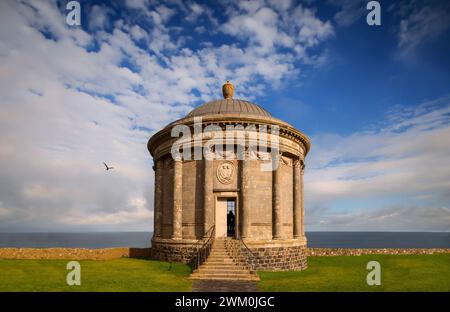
point(230, 222)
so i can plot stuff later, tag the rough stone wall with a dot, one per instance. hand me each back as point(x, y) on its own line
point(173, 252)
point(74, 253)
point(280, 258)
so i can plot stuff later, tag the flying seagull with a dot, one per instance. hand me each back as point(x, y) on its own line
point(108, 168)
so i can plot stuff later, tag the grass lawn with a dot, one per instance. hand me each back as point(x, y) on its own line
point(112, 275)
point(340, 273)
point(348, 273)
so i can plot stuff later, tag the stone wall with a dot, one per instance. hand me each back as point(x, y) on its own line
point(173, 252)
point(273, 258)
point(74, 253)
point(260, 201)
point(192, 199)
point(280, 258)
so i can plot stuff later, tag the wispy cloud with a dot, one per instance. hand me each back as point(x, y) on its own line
point(420, 23)
point(384, 179)
point(349, 11)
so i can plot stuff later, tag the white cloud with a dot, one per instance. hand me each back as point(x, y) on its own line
point(404, 165)
point(350, 11)
point(265, 28)
point(136, 211)
point(71, 99)
point(99, 17)
point(137, 4)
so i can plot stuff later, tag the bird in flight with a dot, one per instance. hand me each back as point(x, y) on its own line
point(108, 168)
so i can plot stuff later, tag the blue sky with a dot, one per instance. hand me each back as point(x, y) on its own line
point(375, 101)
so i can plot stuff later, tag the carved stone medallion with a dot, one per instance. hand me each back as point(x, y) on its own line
point(225, 172)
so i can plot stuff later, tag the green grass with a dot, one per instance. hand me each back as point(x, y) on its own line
point(112, 275)
point(348, 273)
point(340, 273)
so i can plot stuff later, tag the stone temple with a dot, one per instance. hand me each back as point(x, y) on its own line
point(194, 198)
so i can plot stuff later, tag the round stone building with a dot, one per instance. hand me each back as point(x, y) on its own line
point(231, 195)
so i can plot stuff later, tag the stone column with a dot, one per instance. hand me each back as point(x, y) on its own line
point(157, 217)
point(302, 222)
point(298, 199)
point(208, 196)
point(244, 217)
point(276, 194)
point(177, 200)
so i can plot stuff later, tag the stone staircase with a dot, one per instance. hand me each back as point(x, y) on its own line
point(220, 266)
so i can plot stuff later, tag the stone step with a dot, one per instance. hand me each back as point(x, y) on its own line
point(217, 268)
point(222, 261)
point(227, 274)
point(237, 271)
point(222, 255)
point(249, 277)
point(222, 264)
point(226, 256)
point(223, 267)
point(219, 260)
point(222, 274)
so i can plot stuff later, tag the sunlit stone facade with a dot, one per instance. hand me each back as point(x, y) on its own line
point(192, 196)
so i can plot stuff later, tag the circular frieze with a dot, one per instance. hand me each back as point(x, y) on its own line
point(225, 172)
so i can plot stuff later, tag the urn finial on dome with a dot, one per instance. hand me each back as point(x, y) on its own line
point(228, 90)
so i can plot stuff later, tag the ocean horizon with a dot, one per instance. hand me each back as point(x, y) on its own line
point(143, 239)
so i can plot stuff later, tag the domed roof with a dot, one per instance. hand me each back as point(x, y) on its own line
point(229, 106)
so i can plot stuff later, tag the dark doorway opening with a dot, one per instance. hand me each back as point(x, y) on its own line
point(231, 217)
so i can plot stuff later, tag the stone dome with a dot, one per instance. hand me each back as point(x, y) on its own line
point(229, 106)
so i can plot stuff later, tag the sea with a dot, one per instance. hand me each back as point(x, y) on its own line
point(143, 239)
